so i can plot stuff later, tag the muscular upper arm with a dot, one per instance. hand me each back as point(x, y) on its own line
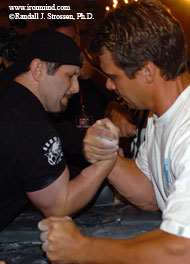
point(52, 199)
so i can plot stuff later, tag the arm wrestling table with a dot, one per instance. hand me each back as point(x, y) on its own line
point(20, 244)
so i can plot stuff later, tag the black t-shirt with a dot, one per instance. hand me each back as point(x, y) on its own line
point(31, 156)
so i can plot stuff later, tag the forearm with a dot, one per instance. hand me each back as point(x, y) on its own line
point(83, 188)
point(64, 197)
point(129, 181)
point(155, 247)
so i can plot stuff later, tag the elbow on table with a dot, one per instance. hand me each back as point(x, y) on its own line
point(149, 207)
point(176, 249)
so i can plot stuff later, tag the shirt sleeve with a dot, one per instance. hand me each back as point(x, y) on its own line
point(142, 161)
point(40, 160)
point(176, 215)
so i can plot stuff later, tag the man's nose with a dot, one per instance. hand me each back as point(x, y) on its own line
point(75, 87)
point(110, 84)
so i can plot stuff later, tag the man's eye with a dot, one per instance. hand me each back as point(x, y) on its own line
point(112, 78)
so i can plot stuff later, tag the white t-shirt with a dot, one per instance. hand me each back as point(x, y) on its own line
point(164, 158)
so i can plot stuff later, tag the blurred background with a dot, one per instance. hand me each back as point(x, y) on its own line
point(99, 8)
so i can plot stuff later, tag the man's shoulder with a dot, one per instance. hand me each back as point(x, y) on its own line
point(22, 116)
point(19, 102)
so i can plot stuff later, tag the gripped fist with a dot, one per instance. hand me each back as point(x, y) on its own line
point(60, 239)
point(101, 141)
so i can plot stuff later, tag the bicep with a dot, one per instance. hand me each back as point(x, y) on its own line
point(51, 200)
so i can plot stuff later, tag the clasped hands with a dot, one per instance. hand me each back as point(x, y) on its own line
point(101, 141)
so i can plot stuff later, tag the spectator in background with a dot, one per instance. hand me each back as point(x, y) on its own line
point(132, 125)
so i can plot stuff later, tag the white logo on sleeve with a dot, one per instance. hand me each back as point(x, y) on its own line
point(53, 150)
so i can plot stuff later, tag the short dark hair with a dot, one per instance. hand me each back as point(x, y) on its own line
point(52, 67)
point(139, 32)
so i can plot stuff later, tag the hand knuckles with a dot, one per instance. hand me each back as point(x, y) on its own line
point(52, 247)
point(54, 225)
point(85, 142)
point(50, 236)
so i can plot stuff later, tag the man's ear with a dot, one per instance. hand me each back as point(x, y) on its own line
point(38, 69)
point(149, 71)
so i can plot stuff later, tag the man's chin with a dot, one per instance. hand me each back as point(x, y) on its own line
point(61, 109)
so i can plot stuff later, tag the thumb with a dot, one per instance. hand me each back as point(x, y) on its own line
point(114, 129)
point(44, 224)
